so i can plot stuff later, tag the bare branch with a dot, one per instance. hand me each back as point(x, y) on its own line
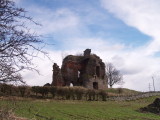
point(17, 44)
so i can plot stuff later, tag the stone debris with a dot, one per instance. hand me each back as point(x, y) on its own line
point(153, 108)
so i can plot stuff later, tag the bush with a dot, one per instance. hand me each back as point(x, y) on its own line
point(53, 91)
point(79, 92)
point(67, 93)
point(8, 90)
point(35, 89)
point(120, 90)
point(90, 94)
point(22, 90)
point(61, 92)
point(28, 91)
point(70, 93)
point(43, 91)
point(103, 94)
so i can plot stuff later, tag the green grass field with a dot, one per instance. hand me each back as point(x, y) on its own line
point(79, 110)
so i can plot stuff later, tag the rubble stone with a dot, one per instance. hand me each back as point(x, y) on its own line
point(153, 108)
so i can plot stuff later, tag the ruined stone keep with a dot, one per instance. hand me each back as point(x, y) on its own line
point(85, 70)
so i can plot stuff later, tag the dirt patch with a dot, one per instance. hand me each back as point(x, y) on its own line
point(9, 115)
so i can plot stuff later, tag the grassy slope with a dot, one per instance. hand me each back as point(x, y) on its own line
point(124, 91)
point(82, 110)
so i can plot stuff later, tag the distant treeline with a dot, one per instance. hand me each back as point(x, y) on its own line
point(51, 92)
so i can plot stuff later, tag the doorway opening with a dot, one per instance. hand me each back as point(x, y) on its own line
point(95, 85)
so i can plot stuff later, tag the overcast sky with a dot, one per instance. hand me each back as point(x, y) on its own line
point(124, 32)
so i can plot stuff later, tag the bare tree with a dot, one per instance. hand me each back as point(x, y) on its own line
point(113, 75)
point(18, 45)
point(9, 74)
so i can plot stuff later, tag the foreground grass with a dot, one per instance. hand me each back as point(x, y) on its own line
point(79, 110)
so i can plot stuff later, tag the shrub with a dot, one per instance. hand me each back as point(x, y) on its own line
point(22, 90)
point(91, 94)
point(67, 92)
point(6, 89)
point(120, 90)
point(103, 95)
point(70, 92)
point(15, 91)
point(35, 89)
point(53, 91)
point(79, 92)
point(61, 92)
point(43, 91)
point(96, 95)
point(28, 91)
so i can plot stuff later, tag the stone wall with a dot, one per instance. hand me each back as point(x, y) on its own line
point(96, 83)
point(57, 76)
point(135, 97)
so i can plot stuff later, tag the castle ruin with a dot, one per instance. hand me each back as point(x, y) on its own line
point(85, 70)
